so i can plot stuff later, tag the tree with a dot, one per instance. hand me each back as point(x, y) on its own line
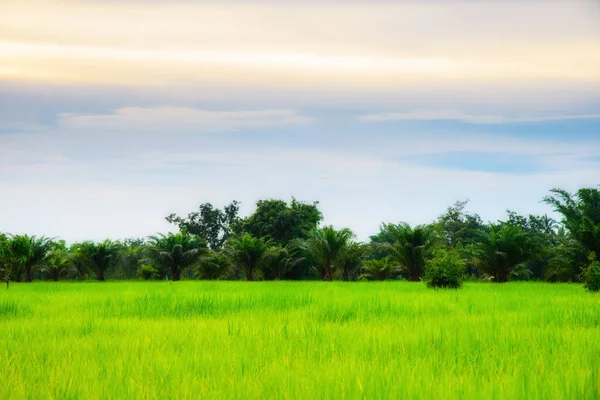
point(503, 251)
point(409, 247)
point(248, 252)
point(30, 253)
point(98, 255)
point(445, 270)
point(280, 222)
point(58, 266)
point(279, 261)
point(214, 266)
point(211, 224)
point(580, 217)
point(175, 251)
point(379, 270)
point(351, 260)
point(458, 225)
point(325, 250)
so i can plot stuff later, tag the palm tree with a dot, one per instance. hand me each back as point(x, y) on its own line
point(409, 247)
point(351, 260)
point(214, 266)
point(324, 250)
point(177, 252)
point(502, 251)
point(378, 269)
point(38, 254)
point(59, 265)
point(279, 261)
point(248, 252)
point(98, 255)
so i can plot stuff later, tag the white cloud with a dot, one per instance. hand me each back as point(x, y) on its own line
point(424, 115)
point(182, 119)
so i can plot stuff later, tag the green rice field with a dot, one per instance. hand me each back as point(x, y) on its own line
point(298, 340)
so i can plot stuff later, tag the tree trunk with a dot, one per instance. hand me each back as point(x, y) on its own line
point(501, 277)
point(250, 274)
point(100, 274)
point(28, 275)
point(176, 274)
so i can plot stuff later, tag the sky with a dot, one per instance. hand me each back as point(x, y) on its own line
point(114, 114)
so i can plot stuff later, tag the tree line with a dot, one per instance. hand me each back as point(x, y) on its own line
point(284, 240)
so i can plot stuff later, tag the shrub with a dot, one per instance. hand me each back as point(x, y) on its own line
point(148, 272)
point(591, 275)
point(445, 270)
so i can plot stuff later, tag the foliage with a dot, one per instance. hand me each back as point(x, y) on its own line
point(458, 226)
point(591, 274)
point(211, 224)
point(214, 266)
point(503, 251)
point(99, 256)
point(59, 265)
point(248, 252)
point(325, 250)
point(409, 247)
point(176, 252)
point(381, 269)
point(351, 259)
point(581, 219)
point(445, 270)
point(282, 222)
point(279, 261)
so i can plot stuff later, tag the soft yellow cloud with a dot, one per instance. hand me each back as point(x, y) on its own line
point(332, 45)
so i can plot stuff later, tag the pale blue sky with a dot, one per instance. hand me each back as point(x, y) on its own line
point(105, 130)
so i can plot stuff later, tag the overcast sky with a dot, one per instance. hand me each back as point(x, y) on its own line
point(114, 114)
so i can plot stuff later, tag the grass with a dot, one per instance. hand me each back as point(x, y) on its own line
point(301, 340)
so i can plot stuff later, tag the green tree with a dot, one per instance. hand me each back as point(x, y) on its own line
point(379, 270)
point(214, 266)
point(458, 226)
point(444, 270)
point(282, 222)
point(59, 265)
point(248, 253)
point(581, 220)
point(99, 256)
point(591, 274)
point(279, 261)
point(351, 260)
point(503, 252)
point(211, 224)
point(409, 247)
point(175, 251)
point(325, 250)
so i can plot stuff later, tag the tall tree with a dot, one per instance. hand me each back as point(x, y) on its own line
point(325, 250)
point(580, 216)
point(176, 251)
point(282, 222)
point(210, 223)
point(98, 255)
point(458, 225)
point(248, 253)
point(38, 253)
point(59, 265)
point(409, 247)
point(503, 251)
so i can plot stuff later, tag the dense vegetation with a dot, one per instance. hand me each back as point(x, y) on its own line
point(298, 340)
point(283, 240)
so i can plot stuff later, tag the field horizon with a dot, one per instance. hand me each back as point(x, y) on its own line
point(224, 339)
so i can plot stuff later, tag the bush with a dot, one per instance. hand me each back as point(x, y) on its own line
point(148, 272)
point(445, 270)
point(591, 275)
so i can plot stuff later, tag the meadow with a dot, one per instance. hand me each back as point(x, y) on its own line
point(317, 340)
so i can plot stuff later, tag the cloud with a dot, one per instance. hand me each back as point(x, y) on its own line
point(424, 115)
point(182, 119)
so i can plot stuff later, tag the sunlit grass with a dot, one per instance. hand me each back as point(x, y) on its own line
point(298, 340)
